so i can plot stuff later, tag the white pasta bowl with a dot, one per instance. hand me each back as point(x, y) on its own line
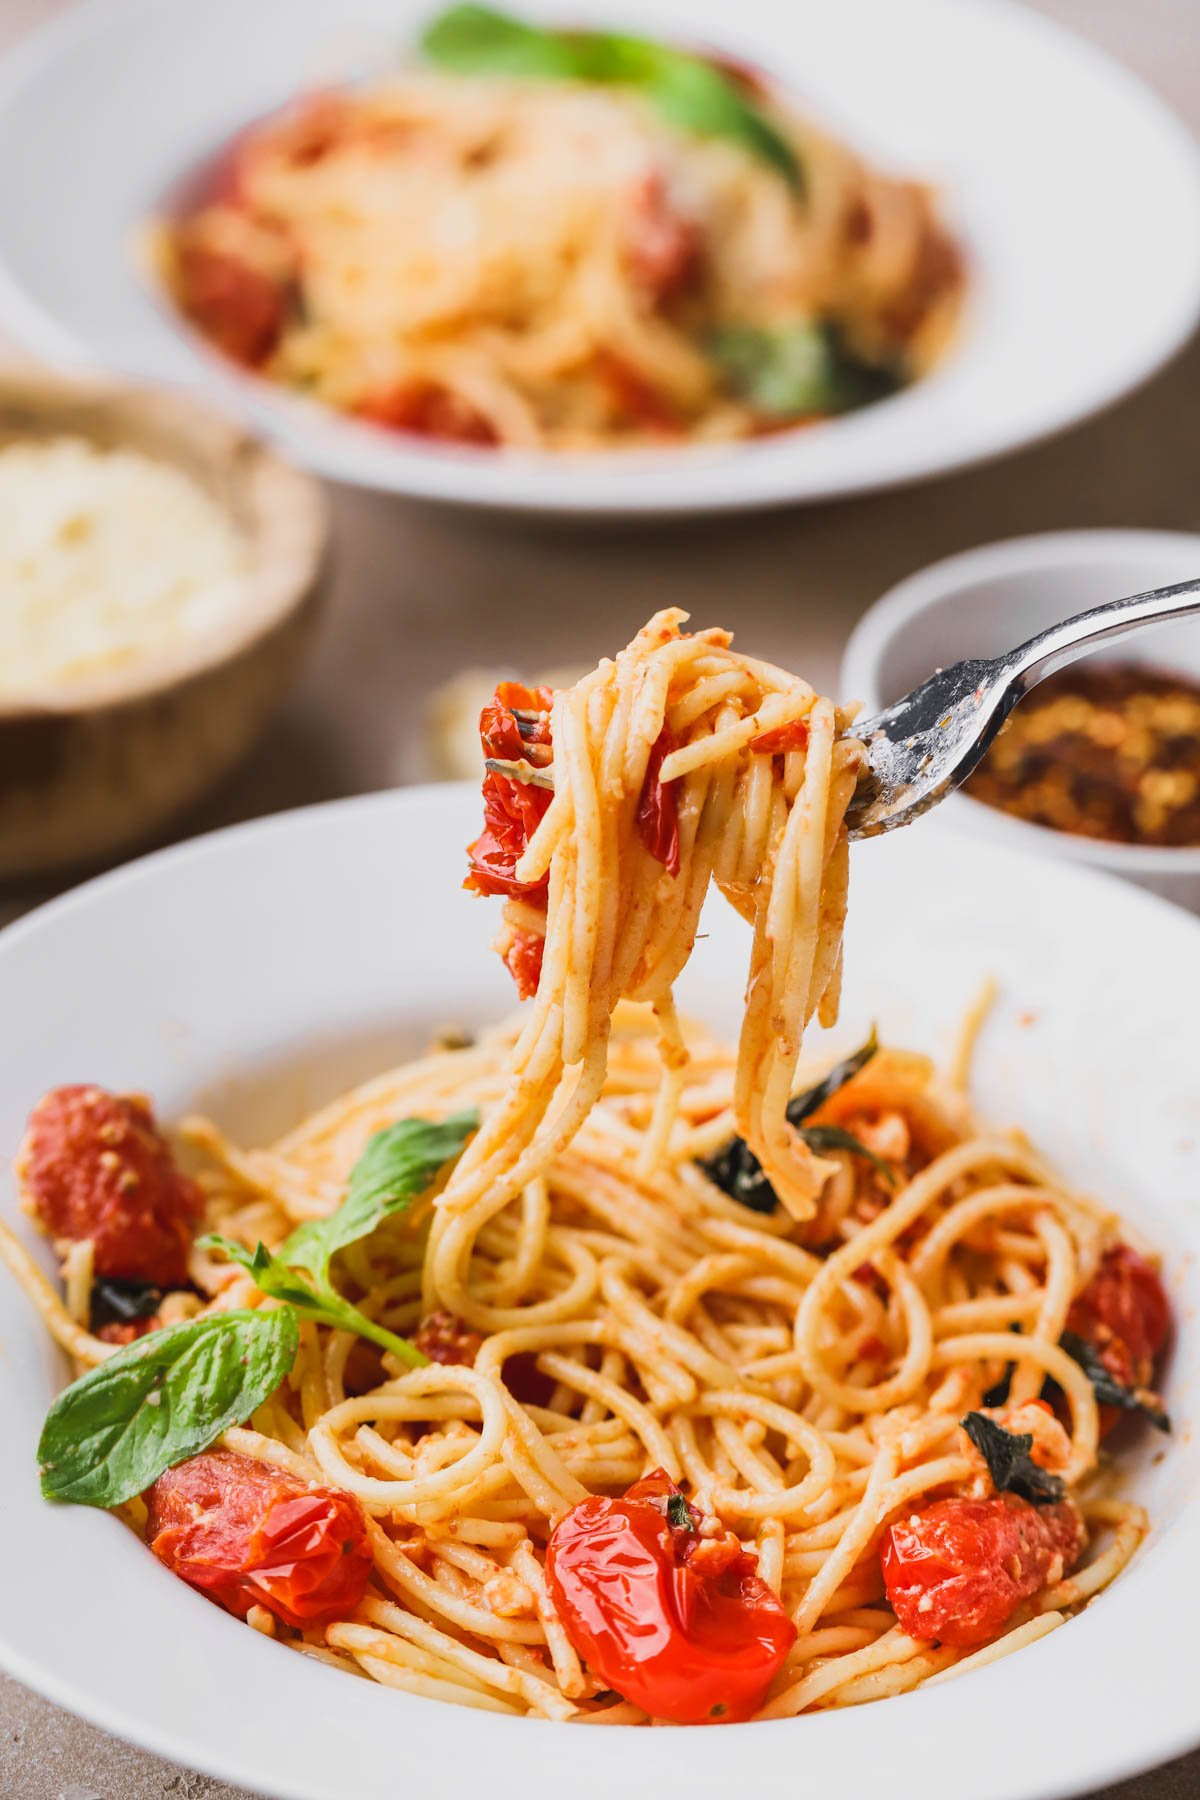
point(986, 601)
point(1065, 200)
point(264, 967)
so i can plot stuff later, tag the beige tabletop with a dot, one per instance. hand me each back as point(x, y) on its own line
point(419, 593)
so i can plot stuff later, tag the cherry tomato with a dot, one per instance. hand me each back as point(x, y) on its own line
point(238, 307)
point(249, 1535)
point(662, 245)
point(658, 808)
point(633, 399)
point(792, 736)
point(677, 1623)
point(427, 411)
point(957, 1571)
point(95, 1165)
point(1125, 1313)
point(523, 955)
point(512, 810)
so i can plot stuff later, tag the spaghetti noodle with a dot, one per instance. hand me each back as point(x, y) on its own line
point(774, 1343)
point(564, 241)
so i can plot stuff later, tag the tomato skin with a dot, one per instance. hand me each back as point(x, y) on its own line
point(777, 742)
point(663, 246)
point(658, 808)
point(237, 307)
point(247, 1534)
point(1125, 1313)
point(95, 1165)
point(523, 959)
point(956, 1572)
point(426, 411)
point(512, 810)
point(676, 1623)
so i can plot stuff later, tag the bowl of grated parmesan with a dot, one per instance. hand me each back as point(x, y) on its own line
point(160, 571)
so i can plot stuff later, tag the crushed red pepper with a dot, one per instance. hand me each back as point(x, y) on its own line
point(1109, 750)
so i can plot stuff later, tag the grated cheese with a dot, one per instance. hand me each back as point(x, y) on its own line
point(107, 557)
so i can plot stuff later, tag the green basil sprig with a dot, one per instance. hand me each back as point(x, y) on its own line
point(171, 1394)
point(399, 1164)
point(159, 1400)
point(691, 93)
point(794, 371)
point(737, 1171)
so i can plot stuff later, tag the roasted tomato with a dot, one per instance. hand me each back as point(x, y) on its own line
point(427, 411)
point(95, 1165)
point(512, 810)
point(658, 808)
point(249, 1535)
point(634, 399)
point(1125, 1313)
point(662, 244)
point(237, 307)
point(676, 1622)
point(522, 953)
point(792, 736)
point(957, 1571)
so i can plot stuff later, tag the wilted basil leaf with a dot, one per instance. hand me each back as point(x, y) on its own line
point(1007, 1455)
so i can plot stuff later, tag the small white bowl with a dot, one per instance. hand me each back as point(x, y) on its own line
point(988, 600)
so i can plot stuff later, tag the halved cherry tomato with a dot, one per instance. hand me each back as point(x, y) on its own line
point(247, 1534)
point(662, 244)
point(95, 1165)
point(1125, 1313)
point(957, 1571)
point(238, 307)
point(658, 808)
point(523, 955)
point(792, 736)
point(677, 1623)
point(426, 410)
point(512, 810)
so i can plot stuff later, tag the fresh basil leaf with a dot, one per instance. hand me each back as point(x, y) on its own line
point(679, 1513)
point(686, 90)
point(1107, 1389)
point(1007, 1455)
point(159, 1400)
point(398, 1165)
point(737, 1171)
point(794, 371)
point(320, 1301)
point(477, 40)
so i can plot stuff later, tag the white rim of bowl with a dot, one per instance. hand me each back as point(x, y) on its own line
point(1049, 550)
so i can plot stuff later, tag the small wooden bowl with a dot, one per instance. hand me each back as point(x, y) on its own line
point(97, 767)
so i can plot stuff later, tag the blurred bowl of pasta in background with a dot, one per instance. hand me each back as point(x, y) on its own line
point(160, 573)
point(1101, 764)
point(540, 263)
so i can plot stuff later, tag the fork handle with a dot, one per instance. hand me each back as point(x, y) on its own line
point(1062, 644)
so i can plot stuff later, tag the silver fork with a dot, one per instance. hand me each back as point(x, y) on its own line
point(922, 747)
